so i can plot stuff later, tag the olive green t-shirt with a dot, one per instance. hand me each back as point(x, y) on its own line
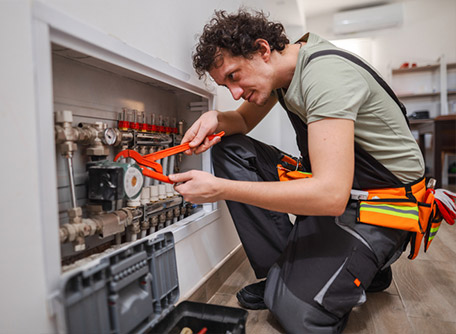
point(334, 87)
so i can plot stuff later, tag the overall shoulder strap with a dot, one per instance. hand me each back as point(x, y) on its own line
point(301, 132)
point(369, 173)
point(369, 69)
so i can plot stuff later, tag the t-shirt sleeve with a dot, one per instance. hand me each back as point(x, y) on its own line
point(333, 88)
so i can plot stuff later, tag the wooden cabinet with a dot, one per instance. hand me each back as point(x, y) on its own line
point(443, 145)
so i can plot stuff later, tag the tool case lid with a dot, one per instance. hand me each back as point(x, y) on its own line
point(126, 291)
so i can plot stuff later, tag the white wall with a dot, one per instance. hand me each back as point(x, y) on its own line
point(164, 29)
point(428, 31)
point(22, 306)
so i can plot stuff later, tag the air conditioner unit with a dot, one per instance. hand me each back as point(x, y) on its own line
point(372, 18)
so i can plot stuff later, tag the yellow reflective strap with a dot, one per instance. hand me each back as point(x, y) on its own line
point(392, 213)
point(435, 229)
point(393, 210)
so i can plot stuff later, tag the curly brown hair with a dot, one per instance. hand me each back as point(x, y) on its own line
point(237, 33)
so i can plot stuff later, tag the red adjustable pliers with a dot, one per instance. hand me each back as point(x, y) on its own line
point(149, 160)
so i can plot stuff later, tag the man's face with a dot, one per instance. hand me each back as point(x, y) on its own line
point(247, 78)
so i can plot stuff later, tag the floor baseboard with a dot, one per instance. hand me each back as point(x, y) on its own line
point(218, 277)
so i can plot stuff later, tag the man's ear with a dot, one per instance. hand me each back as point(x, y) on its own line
point(263, 48)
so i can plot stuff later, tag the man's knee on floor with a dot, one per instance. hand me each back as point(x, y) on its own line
point(297, 316)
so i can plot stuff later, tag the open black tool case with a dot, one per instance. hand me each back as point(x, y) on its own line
point(133, 290)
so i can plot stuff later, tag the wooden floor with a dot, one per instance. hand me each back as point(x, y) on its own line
point(421, 299)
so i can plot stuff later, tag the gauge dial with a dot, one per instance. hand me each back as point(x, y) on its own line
point(133, 181)
point(110, 136)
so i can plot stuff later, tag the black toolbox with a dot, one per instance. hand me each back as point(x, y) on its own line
point(133, 290)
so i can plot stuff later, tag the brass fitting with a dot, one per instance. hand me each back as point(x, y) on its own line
point(176, 212)
point(75, 215)
point(135, 228)
point(145, 225)
point(97, 146)
point(154, 221)
point(66, 136)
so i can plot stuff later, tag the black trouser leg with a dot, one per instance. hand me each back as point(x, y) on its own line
point(263, 233)
point(319, 278)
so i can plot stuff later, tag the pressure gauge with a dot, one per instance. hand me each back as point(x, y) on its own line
point(110, 136)
point(133, 181)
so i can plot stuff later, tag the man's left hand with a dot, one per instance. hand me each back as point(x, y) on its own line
point(197, 186)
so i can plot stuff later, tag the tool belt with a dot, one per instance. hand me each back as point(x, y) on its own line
point(411, 207)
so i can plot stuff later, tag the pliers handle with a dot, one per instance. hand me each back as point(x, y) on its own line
point(149, 160)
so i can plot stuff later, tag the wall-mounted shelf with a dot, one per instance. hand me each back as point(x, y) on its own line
point(418, 96)
point(425, 68)
point(416, 69)
point(426, 87)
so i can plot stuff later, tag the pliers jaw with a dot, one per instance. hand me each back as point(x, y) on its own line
point(145, 164)
point(154, 175)
point(142, 161)
point(148, 164)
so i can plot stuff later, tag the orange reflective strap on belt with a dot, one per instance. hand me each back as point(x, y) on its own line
point(433, 228)
point(394, 207)
point(410, 208)
point(429, 223)
point(434, 219)
point(400, 215)
point(418, 189)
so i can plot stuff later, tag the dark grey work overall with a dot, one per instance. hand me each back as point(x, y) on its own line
point(310, 266)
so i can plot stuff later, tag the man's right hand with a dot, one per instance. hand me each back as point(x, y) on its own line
point(196, 136)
